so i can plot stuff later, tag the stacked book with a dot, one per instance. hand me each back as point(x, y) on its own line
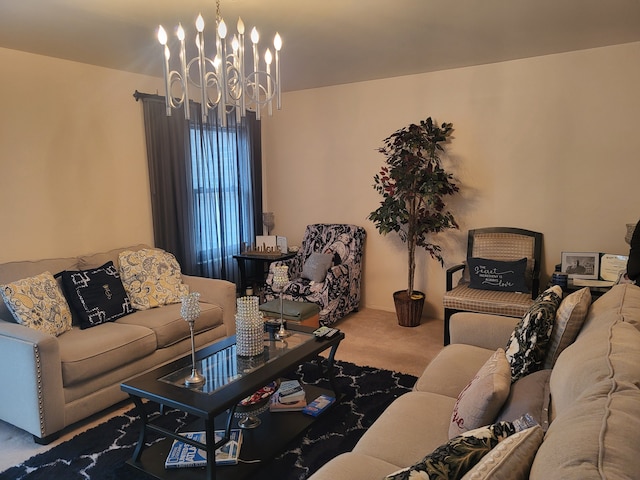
point(290, 397)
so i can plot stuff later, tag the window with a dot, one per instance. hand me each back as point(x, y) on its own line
point(222, 195)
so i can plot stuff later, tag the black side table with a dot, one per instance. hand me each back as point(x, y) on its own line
point(261, 262)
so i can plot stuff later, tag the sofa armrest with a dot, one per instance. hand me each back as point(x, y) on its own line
point(216, 292)
point(32, 396)
point(450, 272)
point(482, 329)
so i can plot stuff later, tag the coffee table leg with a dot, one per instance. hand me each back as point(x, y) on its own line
point(143, 429)
point(209, 428)
point(329, 371)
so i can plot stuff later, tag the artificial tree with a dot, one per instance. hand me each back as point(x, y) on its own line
point(414, 186)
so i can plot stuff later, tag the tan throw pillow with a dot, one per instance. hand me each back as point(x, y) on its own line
point(569, 319)
point(511, 459)
point(530, 395)
point(480, 401)
point(151, 278)
point(38, 303)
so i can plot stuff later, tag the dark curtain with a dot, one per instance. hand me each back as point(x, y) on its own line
point(206, 186)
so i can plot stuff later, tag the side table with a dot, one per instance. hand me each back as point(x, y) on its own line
point(261, 262)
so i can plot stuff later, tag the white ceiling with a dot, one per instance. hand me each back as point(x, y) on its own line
point(326, 42)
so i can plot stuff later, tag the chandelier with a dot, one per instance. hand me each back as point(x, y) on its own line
point(221, 80)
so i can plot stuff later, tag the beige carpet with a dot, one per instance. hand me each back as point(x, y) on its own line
point(372, 338)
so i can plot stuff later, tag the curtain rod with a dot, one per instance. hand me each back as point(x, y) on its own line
point(139, 95)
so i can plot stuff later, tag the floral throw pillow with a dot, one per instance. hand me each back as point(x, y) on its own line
point(151, 278)
point(456, 457)
point(38, 303)
point(527, 346)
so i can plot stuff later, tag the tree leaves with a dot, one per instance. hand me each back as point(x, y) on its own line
point(414, 186)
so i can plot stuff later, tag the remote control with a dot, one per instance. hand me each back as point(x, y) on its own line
point(331, 333)
point(321, 332)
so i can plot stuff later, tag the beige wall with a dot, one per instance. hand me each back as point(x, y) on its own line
point(73, 174)
point(549, 144)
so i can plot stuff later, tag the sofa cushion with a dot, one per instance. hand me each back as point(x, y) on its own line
point(528, 342)
point(37, 302)
point(352, 465)
point(94, 260)
point(97, 295)
point(511, 459)
point(504, 276)
point(413, 425)
point(569, 319)
point(530, 395)
point(458, 455)
point(85, 354)
point(169, 326)
point(595, 392)
point(151, 278)
point(610, 355)
point(452, 369)
point(480, 401)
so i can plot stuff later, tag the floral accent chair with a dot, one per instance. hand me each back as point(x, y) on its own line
point(327, 270)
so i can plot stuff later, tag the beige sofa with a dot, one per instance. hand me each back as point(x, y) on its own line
point(594, 409)
point(51, 382)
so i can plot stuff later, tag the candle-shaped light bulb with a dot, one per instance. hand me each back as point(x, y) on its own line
point(255, 37)
point(277, 42)
point(180, 32)
point(200, 23)
point(268, 57)
point(216, 62)
point(167, 53)
point(240, 26)
point(235, 44)
point(162, 35)
point(222, 29)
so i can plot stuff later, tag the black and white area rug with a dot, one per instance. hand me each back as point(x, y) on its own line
point(101, 453)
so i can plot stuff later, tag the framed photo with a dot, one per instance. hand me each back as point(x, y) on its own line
point(581, 264)
point(611, 266)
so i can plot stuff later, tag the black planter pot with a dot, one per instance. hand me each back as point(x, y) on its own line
point(408, 310)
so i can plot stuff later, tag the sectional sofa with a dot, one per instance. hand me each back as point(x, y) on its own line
point(50, 382)
point(586, 401)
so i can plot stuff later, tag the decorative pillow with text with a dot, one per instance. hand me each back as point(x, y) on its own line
point(480, 401)
point(486, 274)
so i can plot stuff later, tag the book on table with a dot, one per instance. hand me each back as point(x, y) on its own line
point(183, 455)
point(290, 391)
point(290, 397)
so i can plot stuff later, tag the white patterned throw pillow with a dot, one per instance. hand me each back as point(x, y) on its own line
point(151, 278)
point(527, 345)
point(38, 303)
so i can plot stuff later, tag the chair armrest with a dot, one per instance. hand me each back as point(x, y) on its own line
point(216, 292)
point(32, 397)
point(482, 329)
point(450, 272)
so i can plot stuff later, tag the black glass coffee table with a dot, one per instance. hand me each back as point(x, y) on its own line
point(229, 379)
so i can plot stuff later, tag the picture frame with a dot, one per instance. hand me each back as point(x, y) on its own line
point(581, 264)
point(612, 266)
